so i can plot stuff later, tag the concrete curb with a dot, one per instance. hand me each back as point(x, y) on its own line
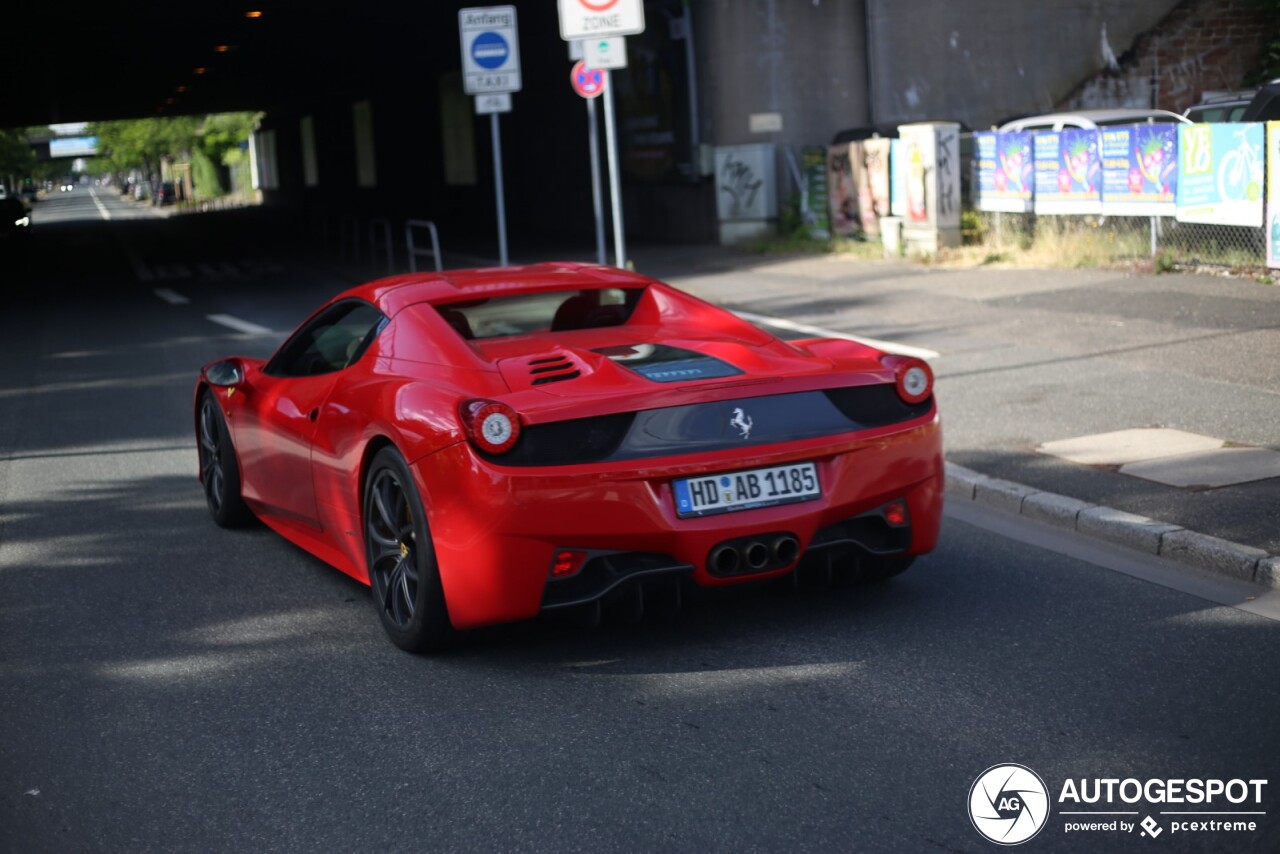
point(1115, 526)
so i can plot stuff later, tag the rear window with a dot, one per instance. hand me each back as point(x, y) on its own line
point(554, 311)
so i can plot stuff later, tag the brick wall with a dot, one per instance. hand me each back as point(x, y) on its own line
point(1201, 45)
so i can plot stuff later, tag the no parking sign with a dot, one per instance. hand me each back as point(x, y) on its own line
point(587, 82)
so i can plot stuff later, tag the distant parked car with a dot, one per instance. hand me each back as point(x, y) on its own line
point(1221, 106)
point(15, 220)
point(1265, 106)
point(1091, 119)
point(141, 191)
point(165, 194)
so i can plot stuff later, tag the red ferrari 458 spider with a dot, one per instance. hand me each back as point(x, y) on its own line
point(481, 446)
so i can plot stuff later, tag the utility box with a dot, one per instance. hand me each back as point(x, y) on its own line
point(930, 153)
point(746, 192)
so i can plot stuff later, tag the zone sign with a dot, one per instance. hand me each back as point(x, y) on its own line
point(587, 19)
point(490, 50)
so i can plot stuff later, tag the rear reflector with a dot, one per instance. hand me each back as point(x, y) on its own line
point(567, 562)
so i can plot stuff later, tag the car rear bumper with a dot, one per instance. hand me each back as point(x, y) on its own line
point(497, 529)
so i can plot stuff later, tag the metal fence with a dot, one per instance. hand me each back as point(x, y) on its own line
point(1102, 239)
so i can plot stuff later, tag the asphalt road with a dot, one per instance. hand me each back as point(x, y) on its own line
point(170, 686)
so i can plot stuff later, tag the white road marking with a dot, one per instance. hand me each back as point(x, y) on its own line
point(819, 332)
point(171, 297)
point(102, 209)
point(239, 325)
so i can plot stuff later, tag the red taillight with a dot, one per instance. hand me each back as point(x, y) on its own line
point(492, 427)
point(913, 377)
point(567, 562)
point(895, 513)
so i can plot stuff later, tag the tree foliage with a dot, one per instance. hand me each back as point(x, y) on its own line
point(16, 154)
point(141, 144)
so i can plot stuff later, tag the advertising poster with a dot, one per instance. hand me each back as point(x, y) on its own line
point(860, 186)
point(1068, 165)
point(869, 160)
point(1220, 173)
point(1004, 181)
point(842, 192)
point(897, 180)
point(1273, 194)
point(813, 165)
point(1139, 170)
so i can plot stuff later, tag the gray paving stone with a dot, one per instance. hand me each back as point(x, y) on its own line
point(1126, 529)
point(1127, 446)
point(961, 482)
point(1053, 508)
point(1001, 494)
point(1212, 553)
point(1268, 574)
point(1209, 469)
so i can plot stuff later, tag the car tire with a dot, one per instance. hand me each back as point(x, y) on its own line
point(219, 469)
point(403, 576)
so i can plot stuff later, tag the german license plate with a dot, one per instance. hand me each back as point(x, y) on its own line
point(746, 490)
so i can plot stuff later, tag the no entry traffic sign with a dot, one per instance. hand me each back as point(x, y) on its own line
point(490, 49)
point(585, 19)
point(587, 82)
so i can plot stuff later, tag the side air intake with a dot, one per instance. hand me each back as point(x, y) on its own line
point(552, 369)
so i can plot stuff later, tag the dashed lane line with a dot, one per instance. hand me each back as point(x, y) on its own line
point(102, 209)
point(238, 325)
point(171, 297)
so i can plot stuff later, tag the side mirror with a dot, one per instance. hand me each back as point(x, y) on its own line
point(225, 374)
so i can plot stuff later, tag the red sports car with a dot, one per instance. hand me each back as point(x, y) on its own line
point(481, 446)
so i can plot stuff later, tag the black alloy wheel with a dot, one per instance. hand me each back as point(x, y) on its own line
point(219, 471)
point(403, 577)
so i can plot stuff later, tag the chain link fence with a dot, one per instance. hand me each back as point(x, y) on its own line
point(1088, 240)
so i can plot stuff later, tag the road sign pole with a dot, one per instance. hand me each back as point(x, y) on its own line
point(498, 189)
point(615, 191)
point(597, 202)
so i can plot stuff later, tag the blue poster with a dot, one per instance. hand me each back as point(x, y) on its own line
point(897, 180)
point(1220, 173)
point(1139, 170)
point(1005, 171)
point(1068, 172)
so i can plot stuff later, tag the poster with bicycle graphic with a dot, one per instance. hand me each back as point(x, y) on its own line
point(1220, 173)
point(1273, 194)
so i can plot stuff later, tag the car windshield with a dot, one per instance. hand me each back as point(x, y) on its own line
point(553, 311)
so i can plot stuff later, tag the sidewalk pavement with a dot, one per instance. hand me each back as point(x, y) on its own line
point(1142, 410)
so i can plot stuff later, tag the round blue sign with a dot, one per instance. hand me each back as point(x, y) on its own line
point(490, 50)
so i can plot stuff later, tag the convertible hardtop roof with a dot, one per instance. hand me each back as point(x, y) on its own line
point(392, 294)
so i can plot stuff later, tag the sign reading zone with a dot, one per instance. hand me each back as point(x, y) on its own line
point(587, 19)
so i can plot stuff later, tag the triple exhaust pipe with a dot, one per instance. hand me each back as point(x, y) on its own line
point(747, 555)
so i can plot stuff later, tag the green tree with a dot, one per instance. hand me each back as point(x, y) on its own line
point(17, 158)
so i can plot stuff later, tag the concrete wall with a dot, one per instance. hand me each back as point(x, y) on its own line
point(980, 62)
point(804, 60)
